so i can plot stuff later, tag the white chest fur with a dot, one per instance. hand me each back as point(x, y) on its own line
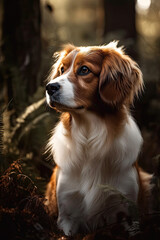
point(87, 159)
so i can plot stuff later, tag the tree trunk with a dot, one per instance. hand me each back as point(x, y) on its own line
point(120, 15)
point(21, 49)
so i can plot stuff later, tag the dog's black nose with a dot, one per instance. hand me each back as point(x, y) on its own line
point(52, 88)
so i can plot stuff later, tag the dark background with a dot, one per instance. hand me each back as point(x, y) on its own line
point(31, 31)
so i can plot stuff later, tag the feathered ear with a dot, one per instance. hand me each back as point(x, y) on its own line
point(120, 78)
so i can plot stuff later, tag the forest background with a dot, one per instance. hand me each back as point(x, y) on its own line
point(30, 32)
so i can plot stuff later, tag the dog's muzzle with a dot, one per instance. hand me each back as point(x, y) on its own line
point(53, 90)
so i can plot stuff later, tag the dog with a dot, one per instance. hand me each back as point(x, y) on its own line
point(96, 141)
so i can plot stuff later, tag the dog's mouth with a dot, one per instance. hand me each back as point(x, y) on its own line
point(55, 103)
point(62, 107)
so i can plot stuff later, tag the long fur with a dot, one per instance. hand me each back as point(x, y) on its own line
point(97, 145)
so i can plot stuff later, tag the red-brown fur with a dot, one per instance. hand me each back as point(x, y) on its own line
point(107, 91)
point(51, 193)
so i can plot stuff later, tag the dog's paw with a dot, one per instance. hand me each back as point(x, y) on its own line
point(68, 226)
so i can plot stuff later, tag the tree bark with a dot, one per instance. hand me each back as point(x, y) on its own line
point(120, 15)
point(21, 49)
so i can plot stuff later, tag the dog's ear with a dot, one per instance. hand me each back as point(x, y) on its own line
point(120, 78)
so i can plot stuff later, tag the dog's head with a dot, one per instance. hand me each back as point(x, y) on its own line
point(93, 78)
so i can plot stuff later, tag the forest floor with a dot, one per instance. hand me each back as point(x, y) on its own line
point(23, 214)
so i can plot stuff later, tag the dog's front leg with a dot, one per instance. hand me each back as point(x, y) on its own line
point(70, 211)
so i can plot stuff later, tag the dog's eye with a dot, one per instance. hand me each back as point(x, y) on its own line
point(62, 70)
point(84, 70)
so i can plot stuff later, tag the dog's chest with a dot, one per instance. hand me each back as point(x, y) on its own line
point(88, 156)
point(85, 144)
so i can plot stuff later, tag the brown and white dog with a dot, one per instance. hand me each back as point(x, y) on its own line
point(96, 141)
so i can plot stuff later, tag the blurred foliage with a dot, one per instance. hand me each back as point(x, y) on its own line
point(27, 140)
